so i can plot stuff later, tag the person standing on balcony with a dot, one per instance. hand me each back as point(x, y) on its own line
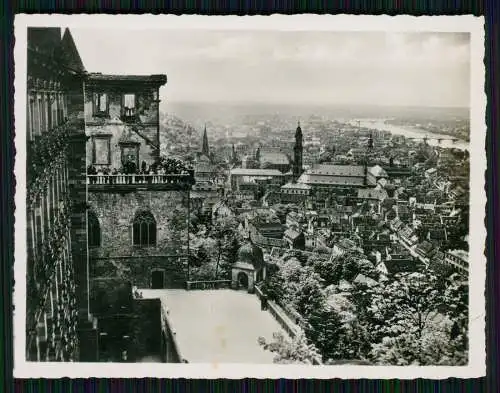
point(100, 177)
point(145, 171)
point(92, 172)
point(112, 178)
point(162, 174)
point(129, 168)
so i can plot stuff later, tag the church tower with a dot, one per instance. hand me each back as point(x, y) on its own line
point(297, 153)
point(204, 150)
point(234, 156)
point(368, 150)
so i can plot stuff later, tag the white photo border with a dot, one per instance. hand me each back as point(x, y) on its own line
point(307, 22)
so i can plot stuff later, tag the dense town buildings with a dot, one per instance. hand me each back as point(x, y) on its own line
point(110, 217)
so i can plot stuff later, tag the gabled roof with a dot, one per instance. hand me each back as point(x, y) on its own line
point(388, 203)
point(383, 182)
point(344, 285)
point(362, 279)
point(203, 167)
point(296, 186)
point(372, 193)
point(462, 254)
point(406, 231)
point(438, 256)
point(378, 171)
point(69, 53)
point(331, 179)
point(402, 208)
point(337, 170)
point(438, 233)
point(347, 244)
point(255, 172)
point(425, 247)
point(274, 158)
point(395, 266)
point(292, 234)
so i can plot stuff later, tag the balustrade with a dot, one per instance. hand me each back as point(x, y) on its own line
point(215, 284)
point(122, 179)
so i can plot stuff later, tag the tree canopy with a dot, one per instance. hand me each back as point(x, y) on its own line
point(413, 318)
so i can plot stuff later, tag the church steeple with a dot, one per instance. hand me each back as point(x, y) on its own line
point(368, 149)
point(234, 156)
point(204, 150)
point(297, 153)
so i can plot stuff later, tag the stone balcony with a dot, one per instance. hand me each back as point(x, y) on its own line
point(157, 182)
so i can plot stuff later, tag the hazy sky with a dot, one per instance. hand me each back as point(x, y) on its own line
point(414, 69)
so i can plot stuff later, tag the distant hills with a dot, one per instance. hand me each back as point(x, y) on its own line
point(175, 132)
point(198, 113)
point(182, 123)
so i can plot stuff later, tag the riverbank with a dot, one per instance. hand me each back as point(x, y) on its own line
point(431, 130)
point(433, 139)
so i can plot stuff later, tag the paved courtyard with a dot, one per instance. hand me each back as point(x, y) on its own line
point(217, 326)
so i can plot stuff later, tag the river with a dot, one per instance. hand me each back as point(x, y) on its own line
point(413, 132)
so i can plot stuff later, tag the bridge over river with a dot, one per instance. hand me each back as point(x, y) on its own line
point(433, 139)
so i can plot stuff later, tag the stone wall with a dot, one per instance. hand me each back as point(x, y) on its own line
point(114, 130)
point(79, 250)
point(139, 270)
point(138, 332)
point(146, 102)
point(125, 324)
point(170, 348)
point(118, 257)
point(143, 129)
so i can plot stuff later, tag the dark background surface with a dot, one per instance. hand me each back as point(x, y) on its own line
point(489, 8)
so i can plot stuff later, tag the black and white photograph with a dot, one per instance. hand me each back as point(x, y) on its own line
point(274, 196)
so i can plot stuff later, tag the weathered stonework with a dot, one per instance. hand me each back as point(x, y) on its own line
point(57, 264)
point(118, 257)
point(114, 130)
point(138, 270)
point(147, 104)
point(138, 333)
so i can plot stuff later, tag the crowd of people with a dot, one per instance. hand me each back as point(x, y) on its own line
point(163, 167)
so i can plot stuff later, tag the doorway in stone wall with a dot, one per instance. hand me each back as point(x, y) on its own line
point(157, 279)
point(242, 280)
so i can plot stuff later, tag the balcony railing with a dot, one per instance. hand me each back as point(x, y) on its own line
point(208, 284)
point(139, 179)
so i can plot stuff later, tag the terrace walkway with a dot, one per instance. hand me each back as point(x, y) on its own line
point(217, 326)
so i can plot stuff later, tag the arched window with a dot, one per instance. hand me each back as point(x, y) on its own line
point(93, 230)
point(144, 229)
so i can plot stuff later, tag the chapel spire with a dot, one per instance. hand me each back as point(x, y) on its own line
point(205, 150)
